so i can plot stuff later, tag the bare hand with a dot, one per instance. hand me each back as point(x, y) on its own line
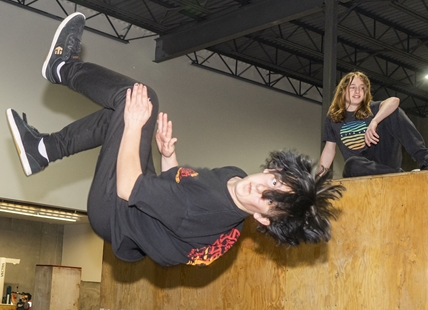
point(371, 136)
point(138, 107)
point(164, 140)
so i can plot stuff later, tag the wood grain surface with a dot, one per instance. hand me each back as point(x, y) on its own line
point(377, 259)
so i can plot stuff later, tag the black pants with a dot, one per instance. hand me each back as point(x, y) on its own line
point(102, 128)
point(394, 131)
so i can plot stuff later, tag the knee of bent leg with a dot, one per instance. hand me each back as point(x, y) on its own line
point(153, 99)
point(352, 167)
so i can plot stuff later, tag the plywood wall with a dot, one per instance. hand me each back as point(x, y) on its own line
point(377, 259)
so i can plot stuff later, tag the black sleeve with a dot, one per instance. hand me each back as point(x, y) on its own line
point(375, 106)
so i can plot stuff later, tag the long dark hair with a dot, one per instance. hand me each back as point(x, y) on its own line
point(337, 109)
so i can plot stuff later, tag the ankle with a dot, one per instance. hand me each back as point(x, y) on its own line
point(68, 70)
point(51, 152)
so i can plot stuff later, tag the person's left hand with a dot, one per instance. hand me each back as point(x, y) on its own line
point(138, 107)
point(371, 136)
point(164, 139)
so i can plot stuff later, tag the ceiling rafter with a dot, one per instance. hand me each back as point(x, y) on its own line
point(251, 18)
point(385, 39)
point(293, 87)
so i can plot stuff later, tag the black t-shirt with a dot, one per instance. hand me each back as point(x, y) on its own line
point(184, 215)
point(349, 135)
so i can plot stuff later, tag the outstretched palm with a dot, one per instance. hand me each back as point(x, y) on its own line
point(164, 140)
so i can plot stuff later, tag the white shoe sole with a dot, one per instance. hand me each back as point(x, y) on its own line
point(18, 142)
point(58, 31)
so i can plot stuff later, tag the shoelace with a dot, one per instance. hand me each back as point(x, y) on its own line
point(24, 118)
point(73, 44)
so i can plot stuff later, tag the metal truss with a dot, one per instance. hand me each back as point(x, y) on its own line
point(393, 57)
point(246, 71)
point(122, 32)
point(288, 57)
point(97, 22)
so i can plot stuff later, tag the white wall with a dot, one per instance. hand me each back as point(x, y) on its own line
point(218, 120)
point(83, 248)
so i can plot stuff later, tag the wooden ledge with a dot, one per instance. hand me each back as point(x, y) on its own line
point(377, 259)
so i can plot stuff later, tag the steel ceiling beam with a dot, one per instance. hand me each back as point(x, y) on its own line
point(344, 41)
point(381, 45)
point(249, 19)
point(342, 66)
point(297, 87)
point(398, 6)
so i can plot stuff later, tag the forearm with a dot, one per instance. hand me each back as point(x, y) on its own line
point(327, 155)
point(386, 108)
point(128, 162)
point(326, 161)
point(169, 162)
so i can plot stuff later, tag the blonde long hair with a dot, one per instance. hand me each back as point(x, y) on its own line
point(337, 110)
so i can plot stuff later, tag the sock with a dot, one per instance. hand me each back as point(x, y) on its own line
point(42, 149)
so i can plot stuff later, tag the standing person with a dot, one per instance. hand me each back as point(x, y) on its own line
point(184, 215)
point(369, 134)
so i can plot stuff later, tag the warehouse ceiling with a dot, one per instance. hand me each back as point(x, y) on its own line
point(275, 43)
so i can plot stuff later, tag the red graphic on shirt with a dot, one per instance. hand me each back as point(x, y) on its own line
point(206, 255)
point(184, 173)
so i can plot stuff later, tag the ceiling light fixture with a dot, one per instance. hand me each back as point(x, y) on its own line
point(38, 211)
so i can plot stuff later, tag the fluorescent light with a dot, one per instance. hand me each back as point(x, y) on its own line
point(426, 76)
point(40, 212)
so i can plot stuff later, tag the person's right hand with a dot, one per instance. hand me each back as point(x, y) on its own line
point(371, 136)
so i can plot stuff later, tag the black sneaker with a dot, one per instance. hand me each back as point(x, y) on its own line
point(27, 142)
point(65, 46)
